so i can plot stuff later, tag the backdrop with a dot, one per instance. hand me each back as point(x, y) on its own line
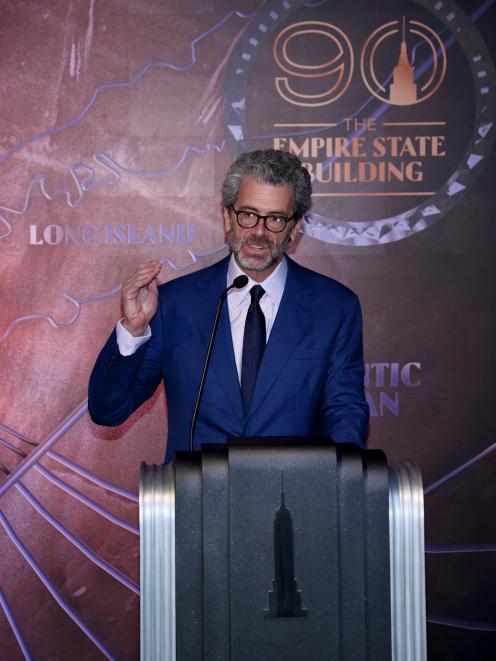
point(118, 121)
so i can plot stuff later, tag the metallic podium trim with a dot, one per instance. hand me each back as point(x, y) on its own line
point(406, 545)
point(157, 563)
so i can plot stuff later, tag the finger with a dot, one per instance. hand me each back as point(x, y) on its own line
point(141, 278)
point(150, 263)
point(148, 267)
point(153, 286)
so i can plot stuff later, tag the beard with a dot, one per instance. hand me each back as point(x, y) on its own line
point(256, 262)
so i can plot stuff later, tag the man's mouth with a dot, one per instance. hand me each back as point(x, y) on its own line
point(256, 244)
point(257, 247)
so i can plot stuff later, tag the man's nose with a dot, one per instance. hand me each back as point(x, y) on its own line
point(260, 227)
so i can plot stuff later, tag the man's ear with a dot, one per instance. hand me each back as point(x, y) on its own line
point(296, 228)
point(227, 220)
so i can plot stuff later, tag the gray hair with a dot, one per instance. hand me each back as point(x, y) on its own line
point(270, 166)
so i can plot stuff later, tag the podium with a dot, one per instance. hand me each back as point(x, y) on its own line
point(282, 549)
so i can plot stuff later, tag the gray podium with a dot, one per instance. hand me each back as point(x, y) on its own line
point(282, 549)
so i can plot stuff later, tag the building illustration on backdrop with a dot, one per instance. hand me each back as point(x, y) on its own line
point(403, 90)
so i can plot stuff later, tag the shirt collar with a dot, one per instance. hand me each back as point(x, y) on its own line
point(273, 285)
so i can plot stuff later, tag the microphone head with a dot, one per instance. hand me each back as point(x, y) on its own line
point(240, 282)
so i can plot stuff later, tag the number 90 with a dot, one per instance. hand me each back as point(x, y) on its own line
point(338, 69)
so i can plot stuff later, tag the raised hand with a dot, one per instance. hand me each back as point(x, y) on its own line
point(139, 296)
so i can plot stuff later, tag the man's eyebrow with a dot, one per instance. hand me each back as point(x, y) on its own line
point(247, 207)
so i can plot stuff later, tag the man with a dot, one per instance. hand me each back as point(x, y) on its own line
point(287, 358)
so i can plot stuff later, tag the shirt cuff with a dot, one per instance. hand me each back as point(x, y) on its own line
point(128, 343)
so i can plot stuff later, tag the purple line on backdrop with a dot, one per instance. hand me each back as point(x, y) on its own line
point(44, 446)
point(109, 486)
point(91, 555)
point(92, 477)
point(165, 173)
point(13, 625)
point(461, 624)
point(17, 434)
point(50, 587)
point(42, 315)
point(458, 470)
point(460, 548)
point(12, 448)
point(75, 493)
point(477, 13)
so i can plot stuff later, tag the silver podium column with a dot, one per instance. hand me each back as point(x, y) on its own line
point(406, 557)
point(157, 563)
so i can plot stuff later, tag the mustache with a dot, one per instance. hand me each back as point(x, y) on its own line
point(256, 241)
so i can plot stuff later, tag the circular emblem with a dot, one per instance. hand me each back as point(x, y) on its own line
point(390, 108)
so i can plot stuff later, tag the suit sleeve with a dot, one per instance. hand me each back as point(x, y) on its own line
point(120, 384)
point(344, 409)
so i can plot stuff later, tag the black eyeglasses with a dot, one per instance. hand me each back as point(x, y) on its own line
point(249, 219)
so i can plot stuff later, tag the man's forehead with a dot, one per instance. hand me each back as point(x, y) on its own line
point(252, 190)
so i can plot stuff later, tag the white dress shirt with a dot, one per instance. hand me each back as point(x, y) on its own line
point(238, 301)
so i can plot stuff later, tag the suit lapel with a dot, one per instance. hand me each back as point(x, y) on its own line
point(291, 323)
point(222, 361)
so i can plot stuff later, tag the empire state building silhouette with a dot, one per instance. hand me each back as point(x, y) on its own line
point(284, 598)
point(403, 91)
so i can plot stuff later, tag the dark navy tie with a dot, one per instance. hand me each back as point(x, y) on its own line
point(253, 344)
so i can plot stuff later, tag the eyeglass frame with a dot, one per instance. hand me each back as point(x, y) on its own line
point(261, 216)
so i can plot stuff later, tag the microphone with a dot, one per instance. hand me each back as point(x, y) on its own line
point(238, 283)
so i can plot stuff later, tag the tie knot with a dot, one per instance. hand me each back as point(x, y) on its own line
point(256, 293)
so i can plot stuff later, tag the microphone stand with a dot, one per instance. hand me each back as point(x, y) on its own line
point(238, 283)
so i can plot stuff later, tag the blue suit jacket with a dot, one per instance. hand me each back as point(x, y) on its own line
point(310, 381)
